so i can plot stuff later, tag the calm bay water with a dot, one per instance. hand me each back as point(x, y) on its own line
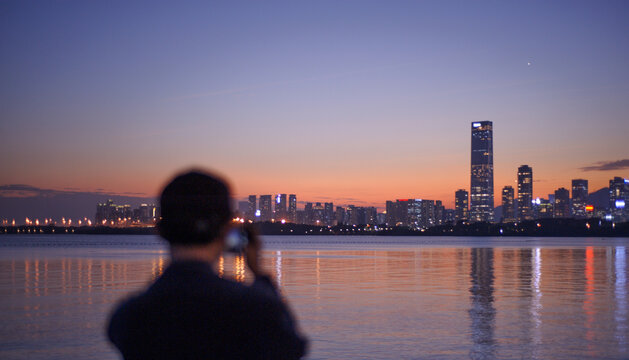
point(355, 297)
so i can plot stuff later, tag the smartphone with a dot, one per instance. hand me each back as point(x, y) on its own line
point(236, 240)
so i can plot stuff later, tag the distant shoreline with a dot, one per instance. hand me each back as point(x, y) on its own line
point(539, 228)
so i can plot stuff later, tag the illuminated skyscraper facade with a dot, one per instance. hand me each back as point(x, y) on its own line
point(251, 208)
point(266, 211)
point(280, 207)
point(579, 198)
point(561, 208)
point(292, 208)
point(525, 193)
point(461, 205)
point(328, 213)
point(508, 204)
point(619, 198)
point(482, 172)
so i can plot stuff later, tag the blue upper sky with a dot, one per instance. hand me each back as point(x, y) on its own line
point(362, 99)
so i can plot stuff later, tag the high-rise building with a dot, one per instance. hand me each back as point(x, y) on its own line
point(561, 208)
point(439, 212)
point(618, 198)
point(525, 193)
point(449, 216)
point(403, 212)
point(319, 214)
point(428, 213)
point(340, 215)
point(266, 210)
point(508, 204)
point(308, 214)
point(579, 198)
point(482, 172)
point(357, 215)
point(280, 207)
point(420, 213)
point(391, 213)
point(251, 208)
point(413, 212)
point(292, 208)
point(381, 218)
point(328, 213)
point(243, 207)
point(371, 215)
point(461, 202)
point(544, 208)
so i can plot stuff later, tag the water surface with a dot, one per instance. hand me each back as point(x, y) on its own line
point(355, 297)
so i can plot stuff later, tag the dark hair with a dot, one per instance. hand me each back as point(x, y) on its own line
point(195, 205)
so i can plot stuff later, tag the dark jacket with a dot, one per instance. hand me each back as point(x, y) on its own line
point(191, 313)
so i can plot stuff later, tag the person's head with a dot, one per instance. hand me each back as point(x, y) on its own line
point(195, 209)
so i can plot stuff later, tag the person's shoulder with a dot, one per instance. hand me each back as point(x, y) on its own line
point(262, 295)
point(122, 317)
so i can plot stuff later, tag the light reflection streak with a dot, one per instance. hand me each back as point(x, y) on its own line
point(46, 277)
point(27, 278)
point(160, 266)
point(278, 268)
point(36, 284)
point(80, 274)
point(536, 304)
point(620, 315)
point(318, 272)
point(588, 302)
point(239, 268)
point(221, 266)
point(482, 311)
point(597, 299)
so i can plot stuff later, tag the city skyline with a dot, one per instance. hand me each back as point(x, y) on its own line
point(351, 103)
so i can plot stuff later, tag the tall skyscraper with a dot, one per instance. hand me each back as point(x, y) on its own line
point(391, 210)
point(328, 213)
point(371, 215)
point(280, 207)
point(579, 198)
point(619, 198)
point(439, 212)
point(561, 209)
point(461, 202)
point(266, 211)
point(482, 172)
point(525, 193)
point(243, 208)
point(340, 215)
point(508, 204)
point(319, 214)
point(403, 212)
point(251, 208)
point(292, 208)
point(308, 214)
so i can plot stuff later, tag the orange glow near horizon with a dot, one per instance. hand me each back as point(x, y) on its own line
point(362, 188)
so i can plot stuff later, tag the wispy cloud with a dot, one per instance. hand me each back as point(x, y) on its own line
point(28, 191)
point(607, 165)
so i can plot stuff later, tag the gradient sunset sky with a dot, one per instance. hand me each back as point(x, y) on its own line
point(346, 101)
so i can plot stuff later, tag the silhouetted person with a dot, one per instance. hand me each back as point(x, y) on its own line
point(191, 313)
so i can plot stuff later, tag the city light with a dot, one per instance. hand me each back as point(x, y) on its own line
point(620, 204)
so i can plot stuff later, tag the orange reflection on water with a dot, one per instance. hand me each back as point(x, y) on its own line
point(371, 303)
point(588, 300)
